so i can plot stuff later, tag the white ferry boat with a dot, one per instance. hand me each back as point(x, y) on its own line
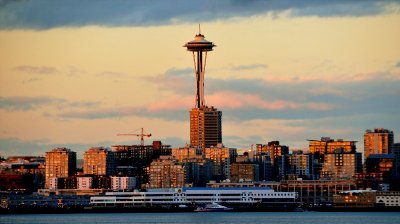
point(232, 197)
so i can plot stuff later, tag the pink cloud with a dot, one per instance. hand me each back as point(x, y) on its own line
point(235, 100)
point(172, 104)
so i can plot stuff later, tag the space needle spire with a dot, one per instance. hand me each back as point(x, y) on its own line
point(199, 48)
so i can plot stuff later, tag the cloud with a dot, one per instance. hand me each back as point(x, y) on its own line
point(24, 103)
point(46, 14)
point(248, 67)
point(235, 100)
point(19, 147)
point(112, 74)
point(41, 70)
point(100, 113)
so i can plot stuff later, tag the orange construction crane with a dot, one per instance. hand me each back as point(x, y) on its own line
point(141, 135)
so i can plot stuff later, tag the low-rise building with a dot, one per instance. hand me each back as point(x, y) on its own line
point(123, 183)
point(354, 199)
point(388, 198)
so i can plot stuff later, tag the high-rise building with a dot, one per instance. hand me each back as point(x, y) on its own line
point(60, 162)
point(98, 161)
point(379, 141)
point(328, 145)
point(205, 122)
point(275, 151)
point(341, 165)
point(205, 127)
point(319, 148)
point(199, 171)
point(221, 158)
point(297, 165)
point(263, 160)
point(167, 172)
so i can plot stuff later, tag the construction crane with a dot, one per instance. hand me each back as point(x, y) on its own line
point(141, 135)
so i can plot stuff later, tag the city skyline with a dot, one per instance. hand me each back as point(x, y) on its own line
point(287, 72)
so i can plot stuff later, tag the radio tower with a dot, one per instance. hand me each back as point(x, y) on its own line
point(205, 122)
point(199, 48)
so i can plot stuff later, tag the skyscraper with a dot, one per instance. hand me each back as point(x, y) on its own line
point(205, 127)
point(205, 122)
point(60, 162)
point(380, 141)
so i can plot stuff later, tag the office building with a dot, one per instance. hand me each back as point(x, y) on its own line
point(379, 141)
point(60, 162)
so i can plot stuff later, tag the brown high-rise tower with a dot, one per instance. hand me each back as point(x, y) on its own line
point(205, 122)
point(205, 127)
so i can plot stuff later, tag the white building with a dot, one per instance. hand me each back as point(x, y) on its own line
point(53, 183)
point(123, 183)
point(388, 198)
point(84, 183)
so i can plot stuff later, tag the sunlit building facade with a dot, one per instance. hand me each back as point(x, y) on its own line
point(298, 165)
point(123, 183)
point(167, 172)
point(379, 141)
point(221, 158)
point(244, 172)
point(98, 161)
point(205, 127)
point(60, 162)
point(186, 152)
point(341, 165)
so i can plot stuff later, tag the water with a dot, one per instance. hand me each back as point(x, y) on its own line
point(197, 218)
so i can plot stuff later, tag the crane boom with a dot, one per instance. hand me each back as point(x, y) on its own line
point(142, 134)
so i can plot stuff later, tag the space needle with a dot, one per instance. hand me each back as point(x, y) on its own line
point(199, 48)
point(205, 122)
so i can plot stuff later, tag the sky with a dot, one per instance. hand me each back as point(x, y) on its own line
point(75, 73)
